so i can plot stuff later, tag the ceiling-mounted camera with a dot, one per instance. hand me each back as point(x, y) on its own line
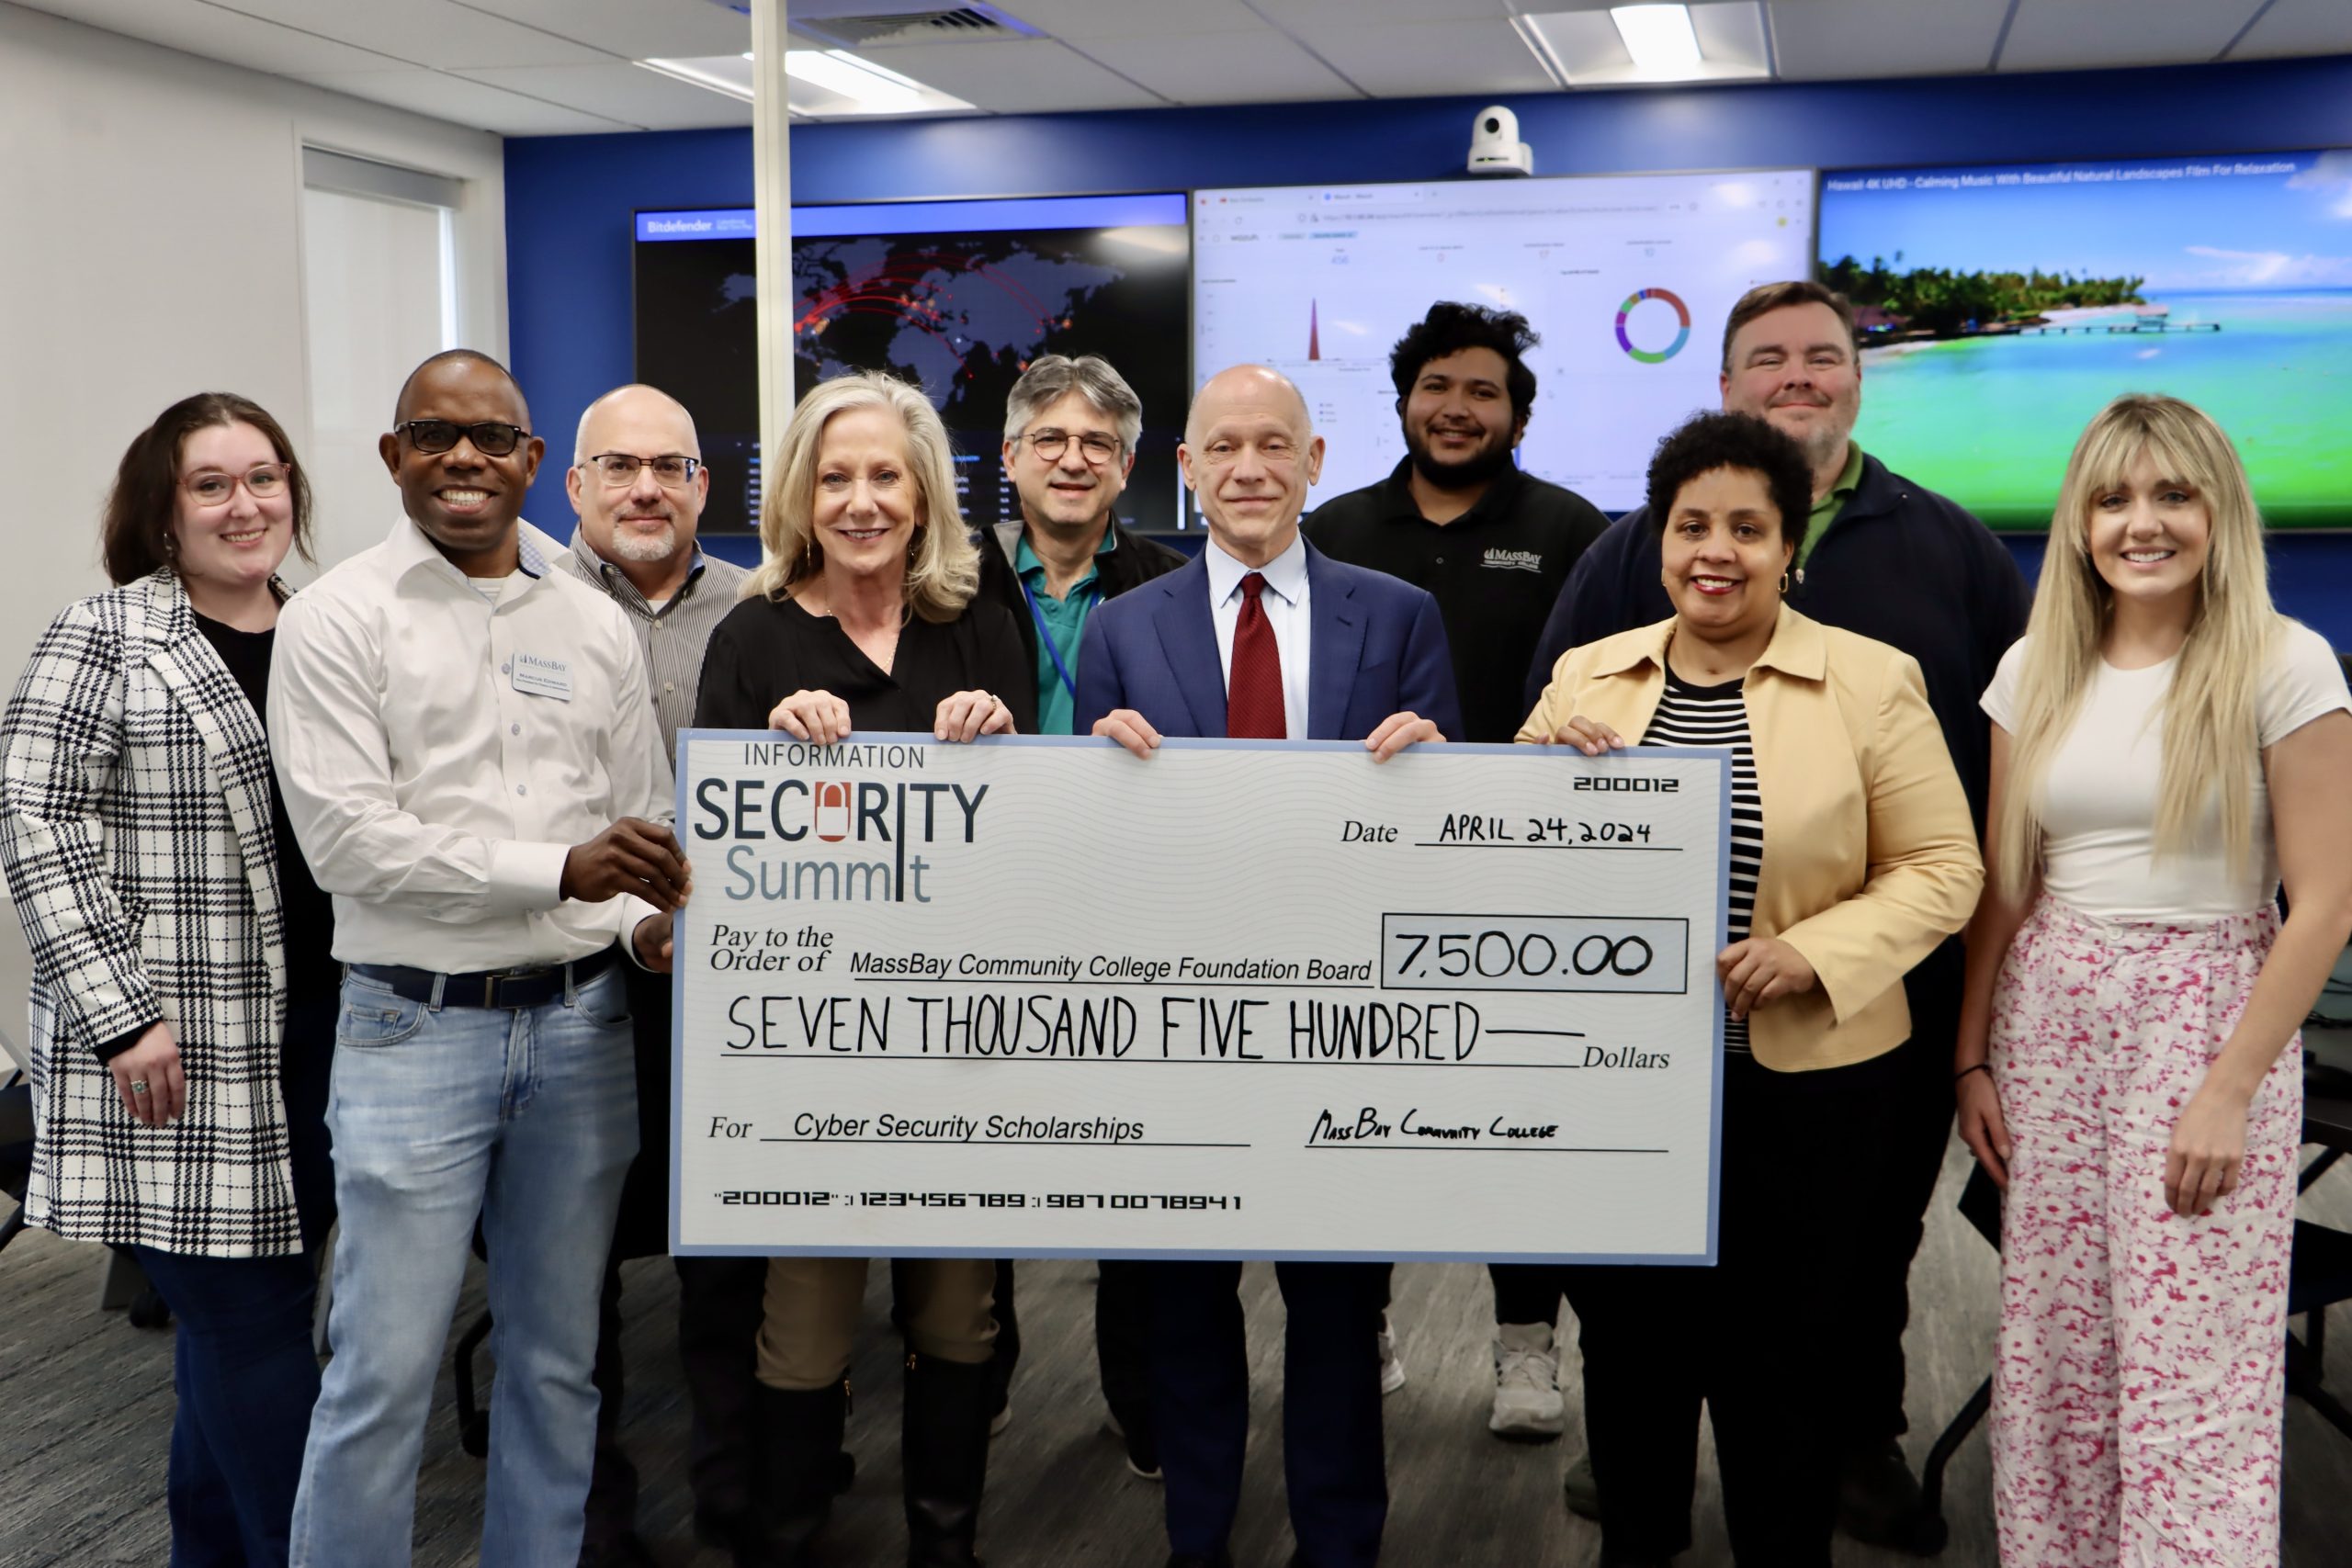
point(1495, 146)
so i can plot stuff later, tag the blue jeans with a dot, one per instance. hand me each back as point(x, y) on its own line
point(242, 1364)
point(527, 1118)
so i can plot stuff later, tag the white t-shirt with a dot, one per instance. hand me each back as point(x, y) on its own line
point(2098, 801)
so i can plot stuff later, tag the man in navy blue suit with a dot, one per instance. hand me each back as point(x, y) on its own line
point(1264, 638)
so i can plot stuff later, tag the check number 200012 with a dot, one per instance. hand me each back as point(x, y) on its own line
point(1533, 953)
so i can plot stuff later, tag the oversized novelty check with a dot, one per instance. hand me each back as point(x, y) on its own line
point(1041, 996)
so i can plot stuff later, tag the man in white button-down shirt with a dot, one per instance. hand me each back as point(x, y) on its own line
point(470, 757)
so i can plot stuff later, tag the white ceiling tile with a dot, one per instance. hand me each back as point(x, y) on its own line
point(545, 66)
point(1428, 59)
point(1015, 76)
point(621, 91)
point(1260, 67)
point(428, 32)
point(633, 30)
point(1300, 13)
point(2066, 35)
point(2298, 27)
point(1078, 20)
point(1815, 39)
point(462, 102)
point(194, 27)
point(1731, 34)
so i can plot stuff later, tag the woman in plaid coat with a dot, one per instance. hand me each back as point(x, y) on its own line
point(183, 995)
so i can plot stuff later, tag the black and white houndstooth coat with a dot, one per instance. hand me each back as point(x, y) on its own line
point(135, 828)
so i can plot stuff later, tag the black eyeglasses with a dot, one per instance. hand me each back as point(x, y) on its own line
point(1049, 446)
point(672, 471)
point(491, 438)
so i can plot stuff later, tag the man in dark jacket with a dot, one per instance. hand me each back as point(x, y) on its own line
point(1894, 560)
point(1070, 428)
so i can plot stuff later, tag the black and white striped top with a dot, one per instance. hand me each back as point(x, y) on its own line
point(1717, 715)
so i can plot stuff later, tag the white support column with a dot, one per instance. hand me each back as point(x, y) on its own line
point(772, 199)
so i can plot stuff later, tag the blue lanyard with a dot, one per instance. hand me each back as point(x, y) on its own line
point(1047, 633)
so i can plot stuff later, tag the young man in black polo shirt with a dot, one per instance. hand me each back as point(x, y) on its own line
point(1493, 546)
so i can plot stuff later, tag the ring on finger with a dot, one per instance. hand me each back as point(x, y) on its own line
point(139, 1086)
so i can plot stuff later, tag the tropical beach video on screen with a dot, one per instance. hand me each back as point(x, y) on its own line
point(2002, 305)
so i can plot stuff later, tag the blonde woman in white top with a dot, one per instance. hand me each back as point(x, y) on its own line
point(2166, 749)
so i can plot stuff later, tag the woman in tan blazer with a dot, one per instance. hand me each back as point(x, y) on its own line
point(1853, 856)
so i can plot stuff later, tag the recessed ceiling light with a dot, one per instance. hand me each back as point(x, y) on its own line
point(865, 83)
point(1659, 38)
point(1650, 45)
point(717, 73)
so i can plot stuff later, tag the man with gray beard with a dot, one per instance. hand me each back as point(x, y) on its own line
point(638, 482)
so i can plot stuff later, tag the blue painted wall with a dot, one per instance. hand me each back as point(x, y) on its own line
point(568, 198)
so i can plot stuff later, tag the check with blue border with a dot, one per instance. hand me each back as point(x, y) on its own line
point(1037, 997)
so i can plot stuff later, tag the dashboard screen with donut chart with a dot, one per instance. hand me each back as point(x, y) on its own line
point(1627, 277)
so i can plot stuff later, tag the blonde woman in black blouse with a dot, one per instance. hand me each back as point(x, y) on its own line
point(862, 619)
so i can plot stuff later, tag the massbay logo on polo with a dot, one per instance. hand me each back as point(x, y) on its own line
point(1515, 560)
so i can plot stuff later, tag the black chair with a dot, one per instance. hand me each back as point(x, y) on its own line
point(2321, 1272)
point(2319, 1275)
point(16, 1149)
point(124, 1285)
point(1980, 1205)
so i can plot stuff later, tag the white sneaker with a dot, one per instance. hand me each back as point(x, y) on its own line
point(1145, 1468)
point(1392, 1370)
point(1527, 1384)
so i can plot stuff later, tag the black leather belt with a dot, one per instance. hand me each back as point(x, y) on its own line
point(521, 987)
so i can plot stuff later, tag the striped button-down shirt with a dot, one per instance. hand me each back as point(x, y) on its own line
point(674, 634)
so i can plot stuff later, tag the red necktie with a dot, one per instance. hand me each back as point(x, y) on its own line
point(1254, 698)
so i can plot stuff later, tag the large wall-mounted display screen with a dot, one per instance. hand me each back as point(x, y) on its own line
point(2005, 304)
point(955, 297)
point(1628, 278)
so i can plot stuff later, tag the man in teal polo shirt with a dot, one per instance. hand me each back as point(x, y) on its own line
point(1070, 429)
point(1058, 612)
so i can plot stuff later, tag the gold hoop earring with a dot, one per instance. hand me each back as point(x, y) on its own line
point(1784, 585)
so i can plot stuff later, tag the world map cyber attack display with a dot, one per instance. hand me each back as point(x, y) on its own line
point(955, 297)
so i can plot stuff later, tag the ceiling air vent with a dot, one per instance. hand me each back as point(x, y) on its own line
point(959, 24)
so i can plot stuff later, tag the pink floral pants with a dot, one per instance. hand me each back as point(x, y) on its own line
point(2137, 1396)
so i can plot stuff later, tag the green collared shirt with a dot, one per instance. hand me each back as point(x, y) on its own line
point(1825, 511)
point(1059, 624)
